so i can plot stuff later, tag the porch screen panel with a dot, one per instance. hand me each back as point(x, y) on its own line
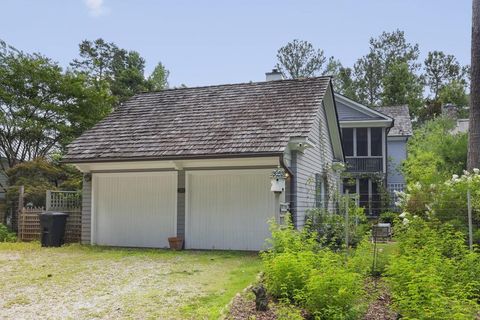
point(347, 135)
point(362, 142)
point(376, 141)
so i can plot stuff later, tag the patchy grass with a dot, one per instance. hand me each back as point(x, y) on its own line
point(89, 282)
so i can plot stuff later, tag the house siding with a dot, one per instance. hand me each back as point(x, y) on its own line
point(313, 161)
point(397, 153)
point(181, 204)
point(86, 210)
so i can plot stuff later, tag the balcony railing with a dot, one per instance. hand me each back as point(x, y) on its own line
point(364, 164)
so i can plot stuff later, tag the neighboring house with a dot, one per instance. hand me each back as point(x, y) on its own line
point(374, 145)
point(196, 163)
point(397, 146)
point(461, 126)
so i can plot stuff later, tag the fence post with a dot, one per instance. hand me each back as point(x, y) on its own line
point(470, 227)
point(48, 200)
point(347, 225)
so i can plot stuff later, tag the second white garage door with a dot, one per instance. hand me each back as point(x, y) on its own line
point(134, 209)
point(228, 209)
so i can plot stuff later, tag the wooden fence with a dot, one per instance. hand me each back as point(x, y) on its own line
point(62, 201)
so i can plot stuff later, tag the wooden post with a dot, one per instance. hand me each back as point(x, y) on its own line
point(347, 227)
point(48, 200)
point(470, 228)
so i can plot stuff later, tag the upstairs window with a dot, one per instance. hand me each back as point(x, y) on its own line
point(362, 142)
point(376, 141)
point(347, 135)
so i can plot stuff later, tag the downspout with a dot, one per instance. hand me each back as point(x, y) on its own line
point(292, 197)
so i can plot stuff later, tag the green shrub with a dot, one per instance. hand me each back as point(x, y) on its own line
point(333, 293)
point(389, 217)
point(434, 276)
point(6, 235)
point(298, 271)
point(331, 227)
point(288, 312)
point(287, 273)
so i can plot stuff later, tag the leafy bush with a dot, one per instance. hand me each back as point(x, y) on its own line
point(6, 235)
point(389, 217)
point(40, 175)
point(434, 153)
point(434, 276)
point(330, 227)
point(297, 270)
point(446, 201)
point(333, 293)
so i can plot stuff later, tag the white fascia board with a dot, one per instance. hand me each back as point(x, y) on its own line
point(333, 124)
point(397, 138)
point(365, 123)
point(360, 107)
point(177, 164)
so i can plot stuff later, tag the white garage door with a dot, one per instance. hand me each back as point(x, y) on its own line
point(228, 209)
point(134, 209)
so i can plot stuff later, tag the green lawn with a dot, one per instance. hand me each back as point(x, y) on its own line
point(83, 282)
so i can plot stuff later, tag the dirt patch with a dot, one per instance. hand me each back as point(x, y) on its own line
point(244, 308)
point(380, 307)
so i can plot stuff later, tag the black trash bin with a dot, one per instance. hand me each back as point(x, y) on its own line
point(52, 226)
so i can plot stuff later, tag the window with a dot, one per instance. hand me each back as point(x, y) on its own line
point(376, 141)
point(350, 185)
point(347, 135)
point(321, 191)
point(364, 194)
point(362, 141)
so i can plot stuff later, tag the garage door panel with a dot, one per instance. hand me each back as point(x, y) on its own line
point(229, 209)
point(135, 209)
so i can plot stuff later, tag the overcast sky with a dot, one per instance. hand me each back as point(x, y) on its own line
point(215, 42)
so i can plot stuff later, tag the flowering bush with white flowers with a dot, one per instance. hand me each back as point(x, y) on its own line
point(445, 202)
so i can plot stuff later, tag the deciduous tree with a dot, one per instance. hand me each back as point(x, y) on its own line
point(299, 59)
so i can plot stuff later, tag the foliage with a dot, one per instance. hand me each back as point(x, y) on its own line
point(434, 276)
point(158, 80)
point(388, 55)
point(434, 153)
point(40, 175)
point(288, 312)
point(330, 228)
point(299, 59)
point(389, 217)
point(121, 70)
point(6, 235)
point(442, 69)
point(401, 86)
point(42, 108)
point(297, 270)
point(333, 292)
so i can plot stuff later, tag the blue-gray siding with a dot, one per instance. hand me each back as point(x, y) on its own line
point(397, 152)
point(347, 113)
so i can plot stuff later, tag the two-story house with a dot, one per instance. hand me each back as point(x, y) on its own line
point(374, 143)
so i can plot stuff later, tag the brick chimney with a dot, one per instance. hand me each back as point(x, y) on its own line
point(273, 75)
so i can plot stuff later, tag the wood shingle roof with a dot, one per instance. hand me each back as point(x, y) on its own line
point(235, 119)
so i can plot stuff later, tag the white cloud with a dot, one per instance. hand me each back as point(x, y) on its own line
point(96, 7)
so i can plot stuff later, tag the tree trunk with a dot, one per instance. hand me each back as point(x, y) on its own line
point(474, 126)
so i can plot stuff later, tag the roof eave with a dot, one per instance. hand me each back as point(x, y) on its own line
point(185, 157)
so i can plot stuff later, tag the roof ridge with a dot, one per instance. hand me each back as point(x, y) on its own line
point(236, 84)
